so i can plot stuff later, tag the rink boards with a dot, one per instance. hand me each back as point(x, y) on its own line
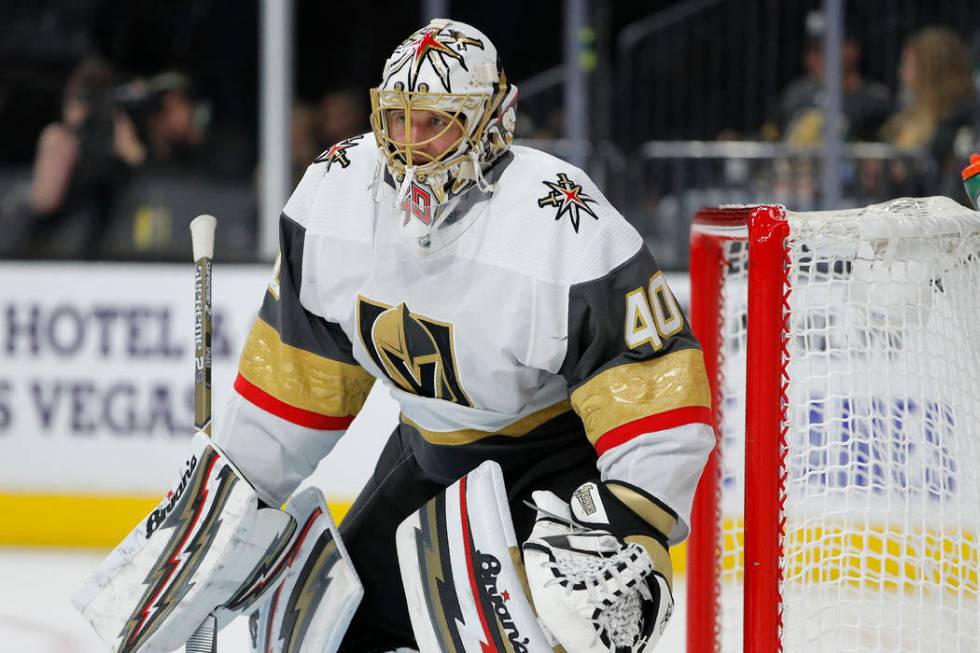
point(96, 394)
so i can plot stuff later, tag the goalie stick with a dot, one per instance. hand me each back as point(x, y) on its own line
point(204, 639)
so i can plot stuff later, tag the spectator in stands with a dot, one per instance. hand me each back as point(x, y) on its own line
point(79, 163)
point(866, 104)
point(304, 145)
point(343, 113)
point(174, 121)
point(938, 119)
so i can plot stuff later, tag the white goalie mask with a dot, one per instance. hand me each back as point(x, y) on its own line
point(443, 113)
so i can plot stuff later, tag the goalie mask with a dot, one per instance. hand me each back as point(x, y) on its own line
point(443, 113)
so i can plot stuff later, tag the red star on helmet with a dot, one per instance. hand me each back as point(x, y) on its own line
point(428, 42)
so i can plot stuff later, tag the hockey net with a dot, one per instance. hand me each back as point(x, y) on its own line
point(844, 356)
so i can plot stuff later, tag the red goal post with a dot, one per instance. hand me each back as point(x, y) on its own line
point(844, 364)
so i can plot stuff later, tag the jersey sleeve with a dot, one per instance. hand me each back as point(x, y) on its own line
point(298, 386)
point(637, 380)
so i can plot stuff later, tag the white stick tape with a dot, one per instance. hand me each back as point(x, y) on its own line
point(202, 236)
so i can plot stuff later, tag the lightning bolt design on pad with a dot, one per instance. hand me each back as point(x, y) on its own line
point(311, 585)
point(276, 558)
point(193, 532)
point(435, 571)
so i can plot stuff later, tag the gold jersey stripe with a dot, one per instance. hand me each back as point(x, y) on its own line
point(301, 378)
point(629, 392)
point(514, 430)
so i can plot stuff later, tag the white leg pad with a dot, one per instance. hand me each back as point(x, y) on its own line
point(462, 571)
point(312, 608)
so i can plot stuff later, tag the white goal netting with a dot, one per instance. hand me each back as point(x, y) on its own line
point(881, 549)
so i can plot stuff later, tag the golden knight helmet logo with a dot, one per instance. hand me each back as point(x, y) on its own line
point(415, 352)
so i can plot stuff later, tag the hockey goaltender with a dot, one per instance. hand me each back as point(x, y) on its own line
point(553, 399)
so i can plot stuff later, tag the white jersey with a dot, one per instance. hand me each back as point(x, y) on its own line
point(531, 322)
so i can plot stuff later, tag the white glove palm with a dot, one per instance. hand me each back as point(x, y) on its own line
point(594, 592)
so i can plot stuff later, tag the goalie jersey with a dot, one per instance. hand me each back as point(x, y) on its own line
point(533, 322)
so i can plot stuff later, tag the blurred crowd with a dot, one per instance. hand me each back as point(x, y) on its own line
point(933, 118)
point(108, 132)
point(339, 114)
point(114, 131)
point(130, 157)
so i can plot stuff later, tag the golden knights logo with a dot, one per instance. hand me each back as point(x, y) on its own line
point(338, 153)
point(567, 197)
point(415, 352)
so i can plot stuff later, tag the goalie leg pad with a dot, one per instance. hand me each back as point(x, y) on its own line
point(312, 608)
point(462, 571)
point(188, 556)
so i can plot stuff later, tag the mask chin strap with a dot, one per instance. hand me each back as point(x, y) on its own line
point(406, 186)
point(379, 169)
point(481, 181)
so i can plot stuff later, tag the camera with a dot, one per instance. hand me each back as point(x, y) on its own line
point(138, 99)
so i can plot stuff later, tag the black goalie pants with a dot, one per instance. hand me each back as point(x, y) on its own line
point(397, 488)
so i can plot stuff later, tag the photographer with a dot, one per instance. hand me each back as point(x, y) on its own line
point(174, 122)
point(171, 120)
point(79, 163)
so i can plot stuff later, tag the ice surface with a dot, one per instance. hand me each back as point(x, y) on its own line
point(36, 616)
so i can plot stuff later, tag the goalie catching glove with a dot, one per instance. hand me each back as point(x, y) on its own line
point(599, 568)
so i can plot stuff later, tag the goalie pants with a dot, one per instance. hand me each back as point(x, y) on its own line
point(397, 488)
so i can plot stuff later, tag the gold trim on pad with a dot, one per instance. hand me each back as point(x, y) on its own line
point(647, 510)
point(659, 555)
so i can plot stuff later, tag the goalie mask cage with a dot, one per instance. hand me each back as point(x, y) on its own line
point(840, 510)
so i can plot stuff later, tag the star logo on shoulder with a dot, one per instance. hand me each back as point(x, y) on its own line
point(568, 198)
point(338, 153)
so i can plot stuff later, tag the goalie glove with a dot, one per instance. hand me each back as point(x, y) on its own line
point(600, 573)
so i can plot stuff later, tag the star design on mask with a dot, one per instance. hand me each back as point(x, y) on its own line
point(428, 42)
point(568, 198)
point(338, 153)
point(432, 46)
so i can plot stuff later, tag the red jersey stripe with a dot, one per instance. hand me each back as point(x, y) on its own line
point(658, 422)
point(299, 416)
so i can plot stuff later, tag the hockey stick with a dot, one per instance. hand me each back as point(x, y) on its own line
point(204, 639)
